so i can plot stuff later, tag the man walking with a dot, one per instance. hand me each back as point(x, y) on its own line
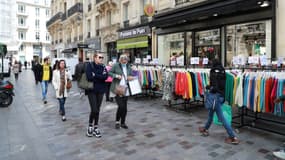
point(45, 76)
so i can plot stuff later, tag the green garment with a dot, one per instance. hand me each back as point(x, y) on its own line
point(229, 97)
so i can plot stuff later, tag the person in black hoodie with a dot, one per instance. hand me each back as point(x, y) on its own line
point(217, 94)
point(96, 72)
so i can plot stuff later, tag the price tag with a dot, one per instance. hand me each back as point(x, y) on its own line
point(236, 60)
point(205, 60)
point(145, 61)
point(137, 60)
point(255, 60)
point(155, 61)
point(180, 61)
point(250, 60)
point(279, 62)
point(263, 60)
point(148, 57)
point(194, 60)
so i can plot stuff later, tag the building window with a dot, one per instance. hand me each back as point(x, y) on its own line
point(37, 23)
point(21, 35)
point(171, 48)
point(125, 11)
point(97, 24)
point(22, 47)
point(143, 4)
point(109, 18)
point(47, 36)
point(47, 12)
point(21, 21)
point(21, 8)
point(37, 36)
point(36, 1)
point(249, 39)
point(208, 44)
point(89, 28)
point(37, 11)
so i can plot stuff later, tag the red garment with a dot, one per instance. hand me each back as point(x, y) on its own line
point(200, 84)
point(185, 86)
point(268, 87)
point(177, 76)
point(273, 95)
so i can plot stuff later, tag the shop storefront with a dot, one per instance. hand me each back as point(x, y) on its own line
point(94, 44)
point(216, 30)
point(136, 42)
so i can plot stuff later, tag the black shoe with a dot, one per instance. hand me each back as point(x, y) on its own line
point(89, 131)
point(124, 126)
point(117, 126)
point(45, 102)
point(96, 133)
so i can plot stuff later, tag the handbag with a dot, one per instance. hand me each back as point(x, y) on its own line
point(84, 83)
point(68, 84)
point(120, 90)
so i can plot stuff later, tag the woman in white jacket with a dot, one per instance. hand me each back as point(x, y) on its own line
point(59, 81)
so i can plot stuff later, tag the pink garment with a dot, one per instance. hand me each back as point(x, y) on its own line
point(109, 79)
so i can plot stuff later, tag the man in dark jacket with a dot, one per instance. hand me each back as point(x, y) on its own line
point(45, 76)
point(96, 72)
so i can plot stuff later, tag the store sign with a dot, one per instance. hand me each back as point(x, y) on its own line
point(205, 60)
point(253, 60)
point(263, 60)
point(236, 60)
point(180, 61)
point(279, 62)
point(194, 60)
point(82, 45)
point(172, 63)
point(149, 10)
point(134, 32)
point(145, 61)
point(137, 60)
point(155, 61)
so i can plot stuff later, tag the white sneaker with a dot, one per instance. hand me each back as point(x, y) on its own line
point(96, 133)
point(280, 154)
point(89, 132)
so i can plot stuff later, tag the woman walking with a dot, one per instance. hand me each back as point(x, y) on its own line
point(96, 73)
point(15, 68)
point(60, 78)
point(121, 73)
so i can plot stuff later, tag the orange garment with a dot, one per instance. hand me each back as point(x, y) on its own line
point(200, 84)
point(190, 87)
point(268, 87)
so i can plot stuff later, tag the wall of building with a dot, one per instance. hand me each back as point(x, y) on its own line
point(280, 29)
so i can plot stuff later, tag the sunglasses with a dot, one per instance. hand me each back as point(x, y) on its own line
point(100, 57)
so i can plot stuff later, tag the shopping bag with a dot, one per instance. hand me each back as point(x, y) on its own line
point(227, 111)
point(135, 87)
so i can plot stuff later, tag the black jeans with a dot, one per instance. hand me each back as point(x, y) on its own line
point(122, 109)
point(95, 101)
point(108, 91)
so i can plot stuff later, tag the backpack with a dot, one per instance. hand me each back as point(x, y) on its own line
point(217, 80)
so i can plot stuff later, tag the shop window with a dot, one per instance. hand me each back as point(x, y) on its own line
point(170, 48)
point(37, 11)
point(125, 11)
point(208, 44)
point(21, 8)
point(248, 39)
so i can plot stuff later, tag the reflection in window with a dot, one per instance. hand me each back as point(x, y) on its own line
point(249, 39)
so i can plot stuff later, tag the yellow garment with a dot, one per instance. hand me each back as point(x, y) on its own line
point(235, 86)
point(46, 72)
point(189, 85)
point(258, 94)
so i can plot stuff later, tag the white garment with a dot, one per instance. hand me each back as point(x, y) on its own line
point(239, 93)
point(56, 83)
point(123, 80)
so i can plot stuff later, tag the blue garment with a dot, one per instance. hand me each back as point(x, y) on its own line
point(251, 96)
point(197, 86)
point(44, 85)
point(98, 74)
point(245, 91)
point(218, 109)
point(278, 107)
point(61, 105)
point(262, 95)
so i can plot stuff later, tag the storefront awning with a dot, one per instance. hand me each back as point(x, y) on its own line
point(137, 42)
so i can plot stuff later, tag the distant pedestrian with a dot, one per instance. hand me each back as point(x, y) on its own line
point(79, 70)
point(217, 93)
point(15, 69)
point(109, 82)
point(36, 69)
point(121, 73)
point(60, 78)
point(45, 76)
point(25, 64)
point(96, 72)
point(20, 66)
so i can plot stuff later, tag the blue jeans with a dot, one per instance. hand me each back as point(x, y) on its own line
point(44, 89)
point(61, 105)
point(219, 112)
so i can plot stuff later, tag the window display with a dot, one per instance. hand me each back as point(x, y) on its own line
point(249, 39)
point(207, 44)
point(171, 49)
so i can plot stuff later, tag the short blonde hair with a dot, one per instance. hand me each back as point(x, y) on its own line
point(123, 57)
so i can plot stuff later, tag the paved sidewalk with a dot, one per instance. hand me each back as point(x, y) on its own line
point(32, 130)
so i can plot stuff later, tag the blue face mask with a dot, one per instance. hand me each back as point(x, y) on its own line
point(124, 65)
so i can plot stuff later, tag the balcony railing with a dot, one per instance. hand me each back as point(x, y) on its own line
point(89, 7)
point(54, 18)
point(74, 39)
point(77, 8)
point(64, 16)
point(80, 37)
point(126, 23)
point(144, 19)
point(97, 32)
point(98, 1)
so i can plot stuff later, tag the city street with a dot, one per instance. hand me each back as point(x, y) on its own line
point(31, 130)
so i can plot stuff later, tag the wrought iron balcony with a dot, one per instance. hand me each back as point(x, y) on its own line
point(54, 18)
point(126, 23)
point(98, 1)
point(64, 16)
point(77, 8)
point(144, 19)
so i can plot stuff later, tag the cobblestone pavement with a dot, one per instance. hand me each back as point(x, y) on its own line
point(32, 130)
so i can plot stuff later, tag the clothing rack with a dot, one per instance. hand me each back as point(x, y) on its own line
point(249, 118)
